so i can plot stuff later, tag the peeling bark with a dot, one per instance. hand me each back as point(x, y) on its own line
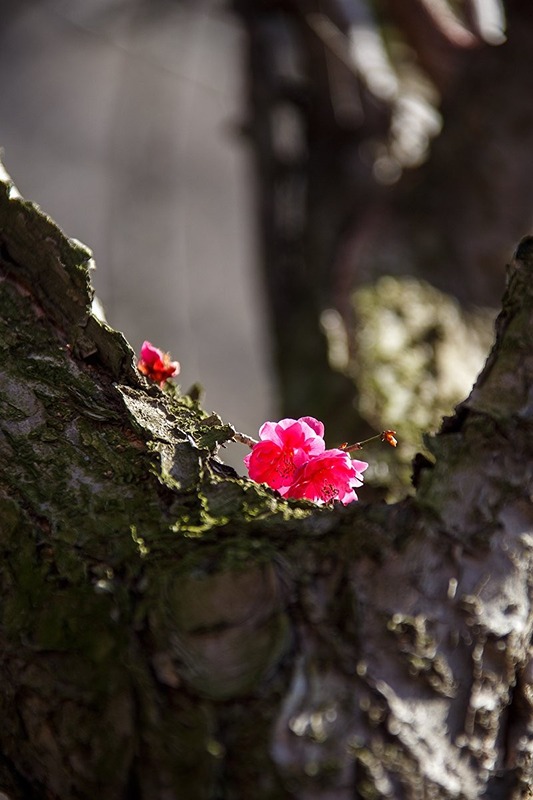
point(168, 630)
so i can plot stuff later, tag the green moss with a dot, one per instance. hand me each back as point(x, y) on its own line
point(10, 519)
point(112, 506)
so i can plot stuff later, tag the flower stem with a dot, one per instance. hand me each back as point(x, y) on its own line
point(385, 436)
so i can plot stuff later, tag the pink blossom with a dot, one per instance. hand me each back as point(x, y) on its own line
point(156, 364)
point(285, 446)
point(331, 475)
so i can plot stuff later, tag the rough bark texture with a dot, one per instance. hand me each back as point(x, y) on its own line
point(168, 630)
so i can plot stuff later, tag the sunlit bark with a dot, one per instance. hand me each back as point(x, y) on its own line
point(170, 631)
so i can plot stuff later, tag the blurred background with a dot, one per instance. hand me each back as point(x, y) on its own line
point(309, 203)
point(122, 121)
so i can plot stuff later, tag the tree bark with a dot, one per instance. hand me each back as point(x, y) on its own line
point(169, 630)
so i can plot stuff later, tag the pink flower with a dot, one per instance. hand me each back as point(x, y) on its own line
point(332, 475)
point(291, 458)
point(285, 446)
point(155, 364)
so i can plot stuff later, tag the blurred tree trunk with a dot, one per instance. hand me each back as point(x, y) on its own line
point(455, 219)
point(308, 118)
point(338, 208)
point(168, 630)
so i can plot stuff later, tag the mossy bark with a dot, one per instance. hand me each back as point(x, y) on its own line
point(168, 630)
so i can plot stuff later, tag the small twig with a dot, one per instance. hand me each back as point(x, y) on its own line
point(385, 436)
point(244, 439)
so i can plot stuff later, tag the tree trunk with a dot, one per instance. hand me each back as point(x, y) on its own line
point(308, 120)
point(168, 630)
